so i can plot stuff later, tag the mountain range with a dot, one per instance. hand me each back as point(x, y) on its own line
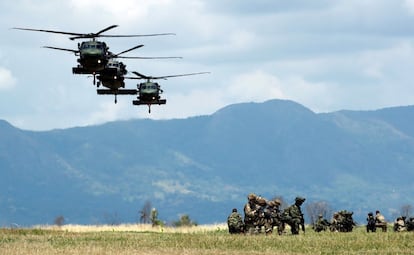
point(206, 165)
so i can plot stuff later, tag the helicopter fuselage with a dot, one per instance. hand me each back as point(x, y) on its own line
point(112, 76)
point(149, 92)
point(93, 56)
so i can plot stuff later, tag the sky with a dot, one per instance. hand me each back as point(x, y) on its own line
point(326, 55)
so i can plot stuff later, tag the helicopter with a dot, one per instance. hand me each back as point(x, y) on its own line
point(93, 54)
point(149, 92)
point(112, 77)
point(114, 80)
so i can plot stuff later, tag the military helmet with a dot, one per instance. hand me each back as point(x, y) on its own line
point(277, 201)
point(300, 199)
point(261, 201)
point(251, 196)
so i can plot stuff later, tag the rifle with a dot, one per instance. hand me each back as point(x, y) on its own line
point(302, 223)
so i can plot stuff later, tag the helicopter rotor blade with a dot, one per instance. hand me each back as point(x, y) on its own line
point(142, 35)
point(90, 35)
point(150, 57)
point(55, 48)
point(106, 29)
point(178, 75)
point(47, 31)
point(125, 51)
point(141, 76)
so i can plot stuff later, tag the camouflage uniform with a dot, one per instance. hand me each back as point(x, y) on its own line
point(235, 222)
point(261, 215)
point(250, 209)
point(321, 224)
point(410, 224)
point(371, 223)
point(273, 217)
point(294, 217)
point(342, 221)
point(335, 223)
point(399, 225)
point(380, 221)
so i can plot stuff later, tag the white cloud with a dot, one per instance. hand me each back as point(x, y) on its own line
point(326, 55)
point(410, 5)
point(107, 111)
point(7, 80)
point(254, 86)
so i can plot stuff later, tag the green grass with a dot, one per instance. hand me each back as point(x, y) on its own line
point(45, 241)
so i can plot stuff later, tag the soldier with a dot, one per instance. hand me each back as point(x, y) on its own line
point(346, 222)
point(261, 215)
point(235, 222)
point(321, 224)
point(335, 223)
point(410, 224)
point(399, 224)
point(380, 221)
point(274, 219)
point(294, 217)
point(250, 209)
point(371, 223)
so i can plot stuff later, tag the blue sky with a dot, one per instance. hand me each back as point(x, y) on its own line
point(326, 55)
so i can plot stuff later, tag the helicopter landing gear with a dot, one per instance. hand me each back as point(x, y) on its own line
point(116, 99)
point(149, 108)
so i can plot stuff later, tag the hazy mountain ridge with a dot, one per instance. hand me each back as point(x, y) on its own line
point(204, 166)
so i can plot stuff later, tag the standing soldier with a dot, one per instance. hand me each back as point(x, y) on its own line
point(294, 217)
point(250, 209)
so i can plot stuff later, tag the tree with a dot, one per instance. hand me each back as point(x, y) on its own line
point(184, 221)
point(59, 220)
point(145, 213)
point(406, 210)
point(154, 218)
point(318, 208)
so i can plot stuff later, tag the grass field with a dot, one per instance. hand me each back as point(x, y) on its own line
point(214, 239)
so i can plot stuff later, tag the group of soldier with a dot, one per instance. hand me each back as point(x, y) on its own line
point(403, 224)
point(261, 215)
point(342, 221)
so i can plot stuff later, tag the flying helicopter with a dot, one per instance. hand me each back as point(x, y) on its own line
point(112, 76)
point(114, 81)
point(149, 92)
point(93, 54)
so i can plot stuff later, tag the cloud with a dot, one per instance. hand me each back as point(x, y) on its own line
point(410, 5)
point(326, 55)
point(7, 79)
point(107, 111)
point(254, 86)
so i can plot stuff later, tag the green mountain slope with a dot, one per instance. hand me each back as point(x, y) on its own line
point(204, 166)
